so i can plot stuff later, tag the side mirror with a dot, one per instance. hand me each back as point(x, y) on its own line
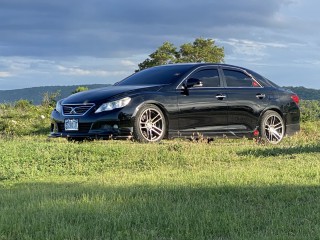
point(193, 82)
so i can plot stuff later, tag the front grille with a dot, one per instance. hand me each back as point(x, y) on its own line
point(76, 110)
point(83, 127)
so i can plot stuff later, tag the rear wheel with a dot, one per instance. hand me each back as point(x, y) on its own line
point(149, 124)
point(272, 127)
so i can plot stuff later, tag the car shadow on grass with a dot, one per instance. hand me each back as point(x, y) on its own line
point(82, 211)
point(277, 151)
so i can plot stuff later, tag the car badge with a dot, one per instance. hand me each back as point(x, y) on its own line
point(73, 111)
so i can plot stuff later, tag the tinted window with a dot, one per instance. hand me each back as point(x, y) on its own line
point(157, 75)
point(262, 79)
point(208, 77)
point(238, 79)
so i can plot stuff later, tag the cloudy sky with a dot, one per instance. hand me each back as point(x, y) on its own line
point(78, 42)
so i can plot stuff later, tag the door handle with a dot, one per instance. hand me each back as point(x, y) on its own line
point(260, 96)
point(221, 96)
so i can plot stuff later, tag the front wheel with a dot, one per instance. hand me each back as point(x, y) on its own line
point(272, 127)
point(149, 124)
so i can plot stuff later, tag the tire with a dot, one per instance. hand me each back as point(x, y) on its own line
point(272, 127)
point(149, 124)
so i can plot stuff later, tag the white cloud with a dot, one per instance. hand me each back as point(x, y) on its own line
point(251, 48)
point(128, 63)
point(76, 71)
point(310, 62)
point(5, 74)
point(25, 65)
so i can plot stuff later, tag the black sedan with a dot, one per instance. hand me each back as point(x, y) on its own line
point(181, 100)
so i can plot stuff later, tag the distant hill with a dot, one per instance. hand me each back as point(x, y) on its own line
point(306, 93)
point(35, 94)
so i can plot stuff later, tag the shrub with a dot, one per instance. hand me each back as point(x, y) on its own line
point(23, 104)
point(310, 110)
point(23, 118)
point(80, 89)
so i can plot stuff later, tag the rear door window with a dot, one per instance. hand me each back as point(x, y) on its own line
point(235, 78)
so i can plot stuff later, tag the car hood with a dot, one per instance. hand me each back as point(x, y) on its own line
point(101, 95)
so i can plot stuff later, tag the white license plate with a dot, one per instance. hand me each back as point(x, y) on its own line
point(71, 125)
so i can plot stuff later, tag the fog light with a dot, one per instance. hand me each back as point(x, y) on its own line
point(106, 127)
point(115, 126)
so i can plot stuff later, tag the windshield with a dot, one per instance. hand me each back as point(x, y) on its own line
point(157, 75)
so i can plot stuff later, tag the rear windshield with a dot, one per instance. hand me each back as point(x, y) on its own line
point(157, 75)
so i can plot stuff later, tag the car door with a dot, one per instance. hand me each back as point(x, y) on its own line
point(202, 107)
point(247, 98)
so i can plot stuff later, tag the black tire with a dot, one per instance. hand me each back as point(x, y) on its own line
point(272, 127)
point(149, 124)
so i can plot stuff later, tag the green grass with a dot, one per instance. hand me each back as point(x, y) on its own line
point(22, 118)
point(227, 189)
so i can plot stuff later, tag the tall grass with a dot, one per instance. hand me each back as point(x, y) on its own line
point(22, 118)
point(227, 189)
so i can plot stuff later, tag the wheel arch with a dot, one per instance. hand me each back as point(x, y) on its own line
point(275, 109)
point(160, 106)
point(275, 130)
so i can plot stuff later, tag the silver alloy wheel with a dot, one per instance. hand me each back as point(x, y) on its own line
point(274, 128)
point(152, 124)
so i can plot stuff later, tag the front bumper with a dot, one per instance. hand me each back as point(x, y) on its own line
point(107, 125)
point(116, 134)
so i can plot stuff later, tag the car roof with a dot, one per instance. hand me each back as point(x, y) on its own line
point(199, 65)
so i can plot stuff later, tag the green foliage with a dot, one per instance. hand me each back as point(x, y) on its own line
point(80, 89)
point(23, 104)
point(310, 110)
point(201, 50)
point(23, 118)
point(50, 99)
point(164, 54)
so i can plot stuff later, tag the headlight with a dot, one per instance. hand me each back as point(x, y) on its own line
point(113, 105)
point(59, 106)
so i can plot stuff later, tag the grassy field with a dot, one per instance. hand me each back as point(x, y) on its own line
point(227, 189)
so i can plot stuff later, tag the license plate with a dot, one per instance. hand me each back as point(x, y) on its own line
point(71, 125)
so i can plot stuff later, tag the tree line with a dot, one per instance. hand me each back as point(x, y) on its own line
point(201, 50)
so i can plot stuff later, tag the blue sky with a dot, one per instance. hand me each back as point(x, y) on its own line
point(78, 42)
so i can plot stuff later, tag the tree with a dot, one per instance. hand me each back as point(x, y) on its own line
point(201, 50)
point(164, 54)
point(80, 89)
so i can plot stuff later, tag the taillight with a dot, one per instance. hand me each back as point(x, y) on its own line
point(295, 98)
